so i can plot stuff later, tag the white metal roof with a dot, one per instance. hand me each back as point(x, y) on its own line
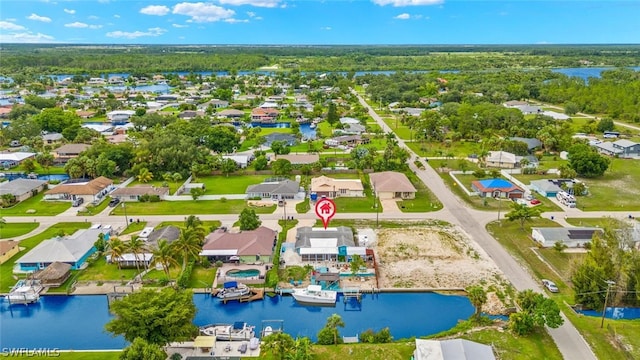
point(219, 252)
point(318, 242)
point(319, 250)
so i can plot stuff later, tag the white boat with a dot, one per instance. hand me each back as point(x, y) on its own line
point(233, 290)
point(312, 126)
point(313, 294)
point(254, 343)
point(239, 331)
point(268, 330)
point(25, 293)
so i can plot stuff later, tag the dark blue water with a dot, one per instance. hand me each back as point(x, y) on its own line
point(77, 322)
point(586, 73)
point(56, 177)
point(615, 313)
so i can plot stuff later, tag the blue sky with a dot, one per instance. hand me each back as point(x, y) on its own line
point(319, 22)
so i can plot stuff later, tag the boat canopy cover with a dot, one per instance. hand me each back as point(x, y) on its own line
point(230, 284)
point(314, 288)
point(238, 325)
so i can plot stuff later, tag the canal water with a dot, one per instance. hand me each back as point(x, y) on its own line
point(77, 322)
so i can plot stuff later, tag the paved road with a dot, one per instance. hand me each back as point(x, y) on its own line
point(592, 117)
point(569, 341)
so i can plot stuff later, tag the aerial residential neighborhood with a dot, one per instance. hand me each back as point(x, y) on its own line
point(266, 203)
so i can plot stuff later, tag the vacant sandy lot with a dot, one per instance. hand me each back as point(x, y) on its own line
point(436, 257)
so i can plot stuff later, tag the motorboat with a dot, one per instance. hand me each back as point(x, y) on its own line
point(233, 290)
point(25, 292)
point(239, 331)
point(313, 294)
point(268, 330)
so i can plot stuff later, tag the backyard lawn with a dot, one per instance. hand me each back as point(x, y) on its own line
point(100, 270)
point(173, 186)
point(356, 205)
point(190, 207)
point(424, 201)
point(41, 208)
point(538, 345)
point(11, 230)
point(6, 270)
point(232, 184)
point(206, 224)
point(616, 190)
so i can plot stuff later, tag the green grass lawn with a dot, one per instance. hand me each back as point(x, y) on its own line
point(207, 224)
point(42, 208)
point(40, 170)
point(562, 262)
point(91, 209)
point(232, 184)
point(10, 230)
point(592, 222)
point(616, 190)
point(517, 242)
point(202, 277)
point(173, 186)
point(190, 208)
point(303, 207)
point(535, 346)
point(458, 149)
point(79, 355)
point(398, 350)
point(133, 227)
point(424, 201)
point(7, 279)
point(402, 131)
point(100, 270)
point(356, 205)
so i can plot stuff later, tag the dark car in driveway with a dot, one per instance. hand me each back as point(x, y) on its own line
point(114, 202)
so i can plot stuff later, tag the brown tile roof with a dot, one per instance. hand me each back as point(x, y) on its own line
point(89, 188)
point(6, 246)
point(71, 149)
point(255, 242)
point(391, 181)
point(140, 190)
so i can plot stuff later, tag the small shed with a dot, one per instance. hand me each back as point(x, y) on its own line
point(54, 275)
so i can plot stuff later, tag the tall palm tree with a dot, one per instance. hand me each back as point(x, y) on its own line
point(164, 255)
point(192, 222)
point(189, 244)
point(137, 246)
point(115, 249)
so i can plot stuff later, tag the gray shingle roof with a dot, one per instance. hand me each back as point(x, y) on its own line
point(285, 187)
point(306, 233)
point(63, 249)
point(20, 186)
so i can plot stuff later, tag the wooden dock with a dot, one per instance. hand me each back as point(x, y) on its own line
point(254, 294)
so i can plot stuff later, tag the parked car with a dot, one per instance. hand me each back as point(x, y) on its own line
point(535, 202)
point(550, 285)
point(114, 202)
point(77, 202)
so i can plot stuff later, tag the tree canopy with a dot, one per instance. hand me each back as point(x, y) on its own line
point(249, 220)
point(536, 312)
point(587, 162)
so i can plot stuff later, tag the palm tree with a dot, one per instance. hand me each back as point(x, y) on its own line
point(189, 244)
point(115, 249)
point(164, 255)
point(137, 246)
point(279, 343)
point(144, 176)
point(192, 222)
point(333, 322)
point(478, 297)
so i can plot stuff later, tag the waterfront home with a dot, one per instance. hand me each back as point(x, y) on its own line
point(90, 191)
point(350, 129)
point(11, 159)
point(571, 237)
point(332, 188)
point(320, 244)
point(134, 193)
point(264, 114)
point(73, 249)
point(452, 349)
point(8, 249)
point(275, 190)
point(231, 114)
point(67, 152)
point(289, 139)
point(392, 185)
point(247, 246)
point(120, 116)
point(497, 188)
point(21, 188)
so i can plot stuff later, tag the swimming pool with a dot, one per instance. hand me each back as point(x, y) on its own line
point(246, 273)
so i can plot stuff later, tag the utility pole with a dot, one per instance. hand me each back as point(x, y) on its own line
point(124, 207)
point(606, 299)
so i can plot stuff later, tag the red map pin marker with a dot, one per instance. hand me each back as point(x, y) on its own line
point(325, 209)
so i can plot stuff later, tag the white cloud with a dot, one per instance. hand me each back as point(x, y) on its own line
point(136, 34)
point(257, 3)
point(403, 16)
point(26, 37)
point(235, 21)
point(326, 28)
point(93, 17)
point(103, 1)
point(251, 14)
point(201, 12)
point(399, 3)
point(116, 16)
point(5, 25)
point(80, 25)
point(70, 11)
point(179, 26)
point(36, 17)
point(158, 10)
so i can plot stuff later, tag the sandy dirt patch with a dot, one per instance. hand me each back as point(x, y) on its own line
point(437, 257)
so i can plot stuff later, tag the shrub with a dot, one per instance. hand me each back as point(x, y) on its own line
point(185, 276)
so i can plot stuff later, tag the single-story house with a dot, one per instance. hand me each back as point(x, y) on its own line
point(501, 159)
point(21, 188)
point(572, 236)
point(215, 103)
point(73, 250)
point(392, 185)
point(120, 116)
point(241, 160)
point(289, 139)
point(332, 188)
point(169, 233)
point(320, 244)
point(515, 103)
point(497, 188)
point(134, 193)
point(607, 148)
point(545, 187)
point(528, 109)
point(68, 151)
point(8, 249)
point(347, 140)
point(452, 349)
point(91, 191)
point(245, 246)
point(275, 190)
point(231, 114)
point(556, 115)
point(11, 159)
point(350, 129)
point(131, 260)
point(264, 114)
point(52, 138)
point(532, 143)
point(348, 120)
point(190, 114)
point(53, 275)
point(299, 159)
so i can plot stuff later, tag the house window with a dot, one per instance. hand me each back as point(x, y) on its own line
point(343, 191)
